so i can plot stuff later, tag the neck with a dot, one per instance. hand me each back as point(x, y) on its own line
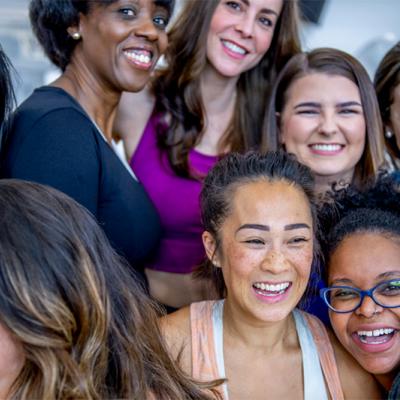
point(218, 92)
point(96, 98)
point(323, 183)
point(269, 337)
point(386, 380)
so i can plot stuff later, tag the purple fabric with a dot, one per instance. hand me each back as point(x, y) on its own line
point(176, 200)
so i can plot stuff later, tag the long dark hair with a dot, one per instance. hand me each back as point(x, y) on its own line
point(7, 95)
point(87, 328)
point(387, 78)
point(332, 62)
point(177, 88)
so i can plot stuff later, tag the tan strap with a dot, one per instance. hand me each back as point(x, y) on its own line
point(204, 360)
point(326, 356)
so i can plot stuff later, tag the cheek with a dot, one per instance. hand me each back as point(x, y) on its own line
point(339, 324)
point(263, 42)
point(295, 131)
point(302, 260)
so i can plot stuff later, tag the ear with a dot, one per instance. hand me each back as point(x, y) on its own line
point(210, 245)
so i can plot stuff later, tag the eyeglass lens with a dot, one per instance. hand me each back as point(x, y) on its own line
point(347, 299)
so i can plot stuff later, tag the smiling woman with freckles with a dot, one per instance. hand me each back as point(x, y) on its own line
point(323, 109)
point(61, 135)
point(259, 218)
point(361, 243)
point(222, 58)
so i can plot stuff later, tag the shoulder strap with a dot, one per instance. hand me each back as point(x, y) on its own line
point(326, 356)
point(204, 361)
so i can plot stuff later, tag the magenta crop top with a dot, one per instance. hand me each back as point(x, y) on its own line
point(176, 200)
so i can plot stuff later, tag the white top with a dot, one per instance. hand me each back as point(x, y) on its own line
point(314, 384)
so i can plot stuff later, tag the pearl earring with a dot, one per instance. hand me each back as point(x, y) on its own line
point(76, 36)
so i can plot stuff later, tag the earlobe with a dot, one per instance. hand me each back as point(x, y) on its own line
point(210, 247)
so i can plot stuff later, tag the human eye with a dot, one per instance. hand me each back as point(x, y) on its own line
point(128, 12)
point(255, 241)
point(234, 5)
point(391, 288)
point(307, 111)
point(266, 22)
point(298, 240)
point(349, 111)
point(161, 21)
point(343, 293)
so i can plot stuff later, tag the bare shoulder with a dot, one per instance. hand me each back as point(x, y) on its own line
point(133, 112)
point(176, 330)
point(357, 383)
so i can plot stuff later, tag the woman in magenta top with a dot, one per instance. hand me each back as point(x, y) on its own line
point(222, 58)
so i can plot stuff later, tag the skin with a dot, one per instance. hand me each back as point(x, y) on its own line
point(323, 110)
point(262, 354)
point(249, 24)
point(363, 260)
point(103, 63)
point(11, 360)
point(394, 124)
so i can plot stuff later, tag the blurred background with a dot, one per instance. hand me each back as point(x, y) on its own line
point(364, 28)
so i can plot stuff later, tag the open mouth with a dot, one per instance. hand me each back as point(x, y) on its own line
point(271, 290)
point(326, 148)
point(141, 58)
point(376, 336)
point(233, 48)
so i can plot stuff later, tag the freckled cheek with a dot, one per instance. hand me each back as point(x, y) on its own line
point(241, 261)
point(302, 260)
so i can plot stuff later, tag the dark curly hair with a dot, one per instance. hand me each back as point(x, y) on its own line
point(374, 208)
point(50, 20)
point(235, 170)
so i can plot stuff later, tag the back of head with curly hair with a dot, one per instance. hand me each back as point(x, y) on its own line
point(372, 209)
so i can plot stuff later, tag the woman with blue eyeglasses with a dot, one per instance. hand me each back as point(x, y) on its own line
point(362, 251)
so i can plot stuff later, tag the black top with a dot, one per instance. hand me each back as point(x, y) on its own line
point(54, 142)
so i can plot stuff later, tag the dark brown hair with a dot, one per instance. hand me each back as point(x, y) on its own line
point(235, 170)
point(87, 328)
point(177, 89)
point(332, 62)
point(387, 78)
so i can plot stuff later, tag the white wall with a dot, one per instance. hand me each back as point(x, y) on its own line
point(364, 28)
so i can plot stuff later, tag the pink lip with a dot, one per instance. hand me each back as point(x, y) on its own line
point(374, 348)
point(231, 53)
point(273, 298)
point(323, 152)
point(138, 63)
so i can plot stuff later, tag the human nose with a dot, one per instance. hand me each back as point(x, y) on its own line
point(328, 124)
point(147, 29)
point(274, 262)
point(368, 308)
point(245, 25)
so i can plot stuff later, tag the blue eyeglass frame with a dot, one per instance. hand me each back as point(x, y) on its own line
point(363, 293)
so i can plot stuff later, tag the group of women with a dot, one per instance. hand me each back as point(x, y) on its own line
point(247, 172)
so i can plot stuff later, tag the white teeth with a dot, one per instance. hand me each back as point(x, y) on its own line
point(376, 332)
point(326, 147)
point(272, 288)
point(233, 47)
point(142, 58)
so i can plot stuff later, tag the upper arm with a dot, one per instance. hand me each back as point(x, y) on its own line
point(59, 150)
point(133, 112)
point(176, 331)
point(356, 382)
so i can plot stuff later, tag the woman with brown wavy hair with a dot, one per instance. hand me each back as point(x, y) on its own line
point(222, 58)
point(74, 321)
point(323, 109)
